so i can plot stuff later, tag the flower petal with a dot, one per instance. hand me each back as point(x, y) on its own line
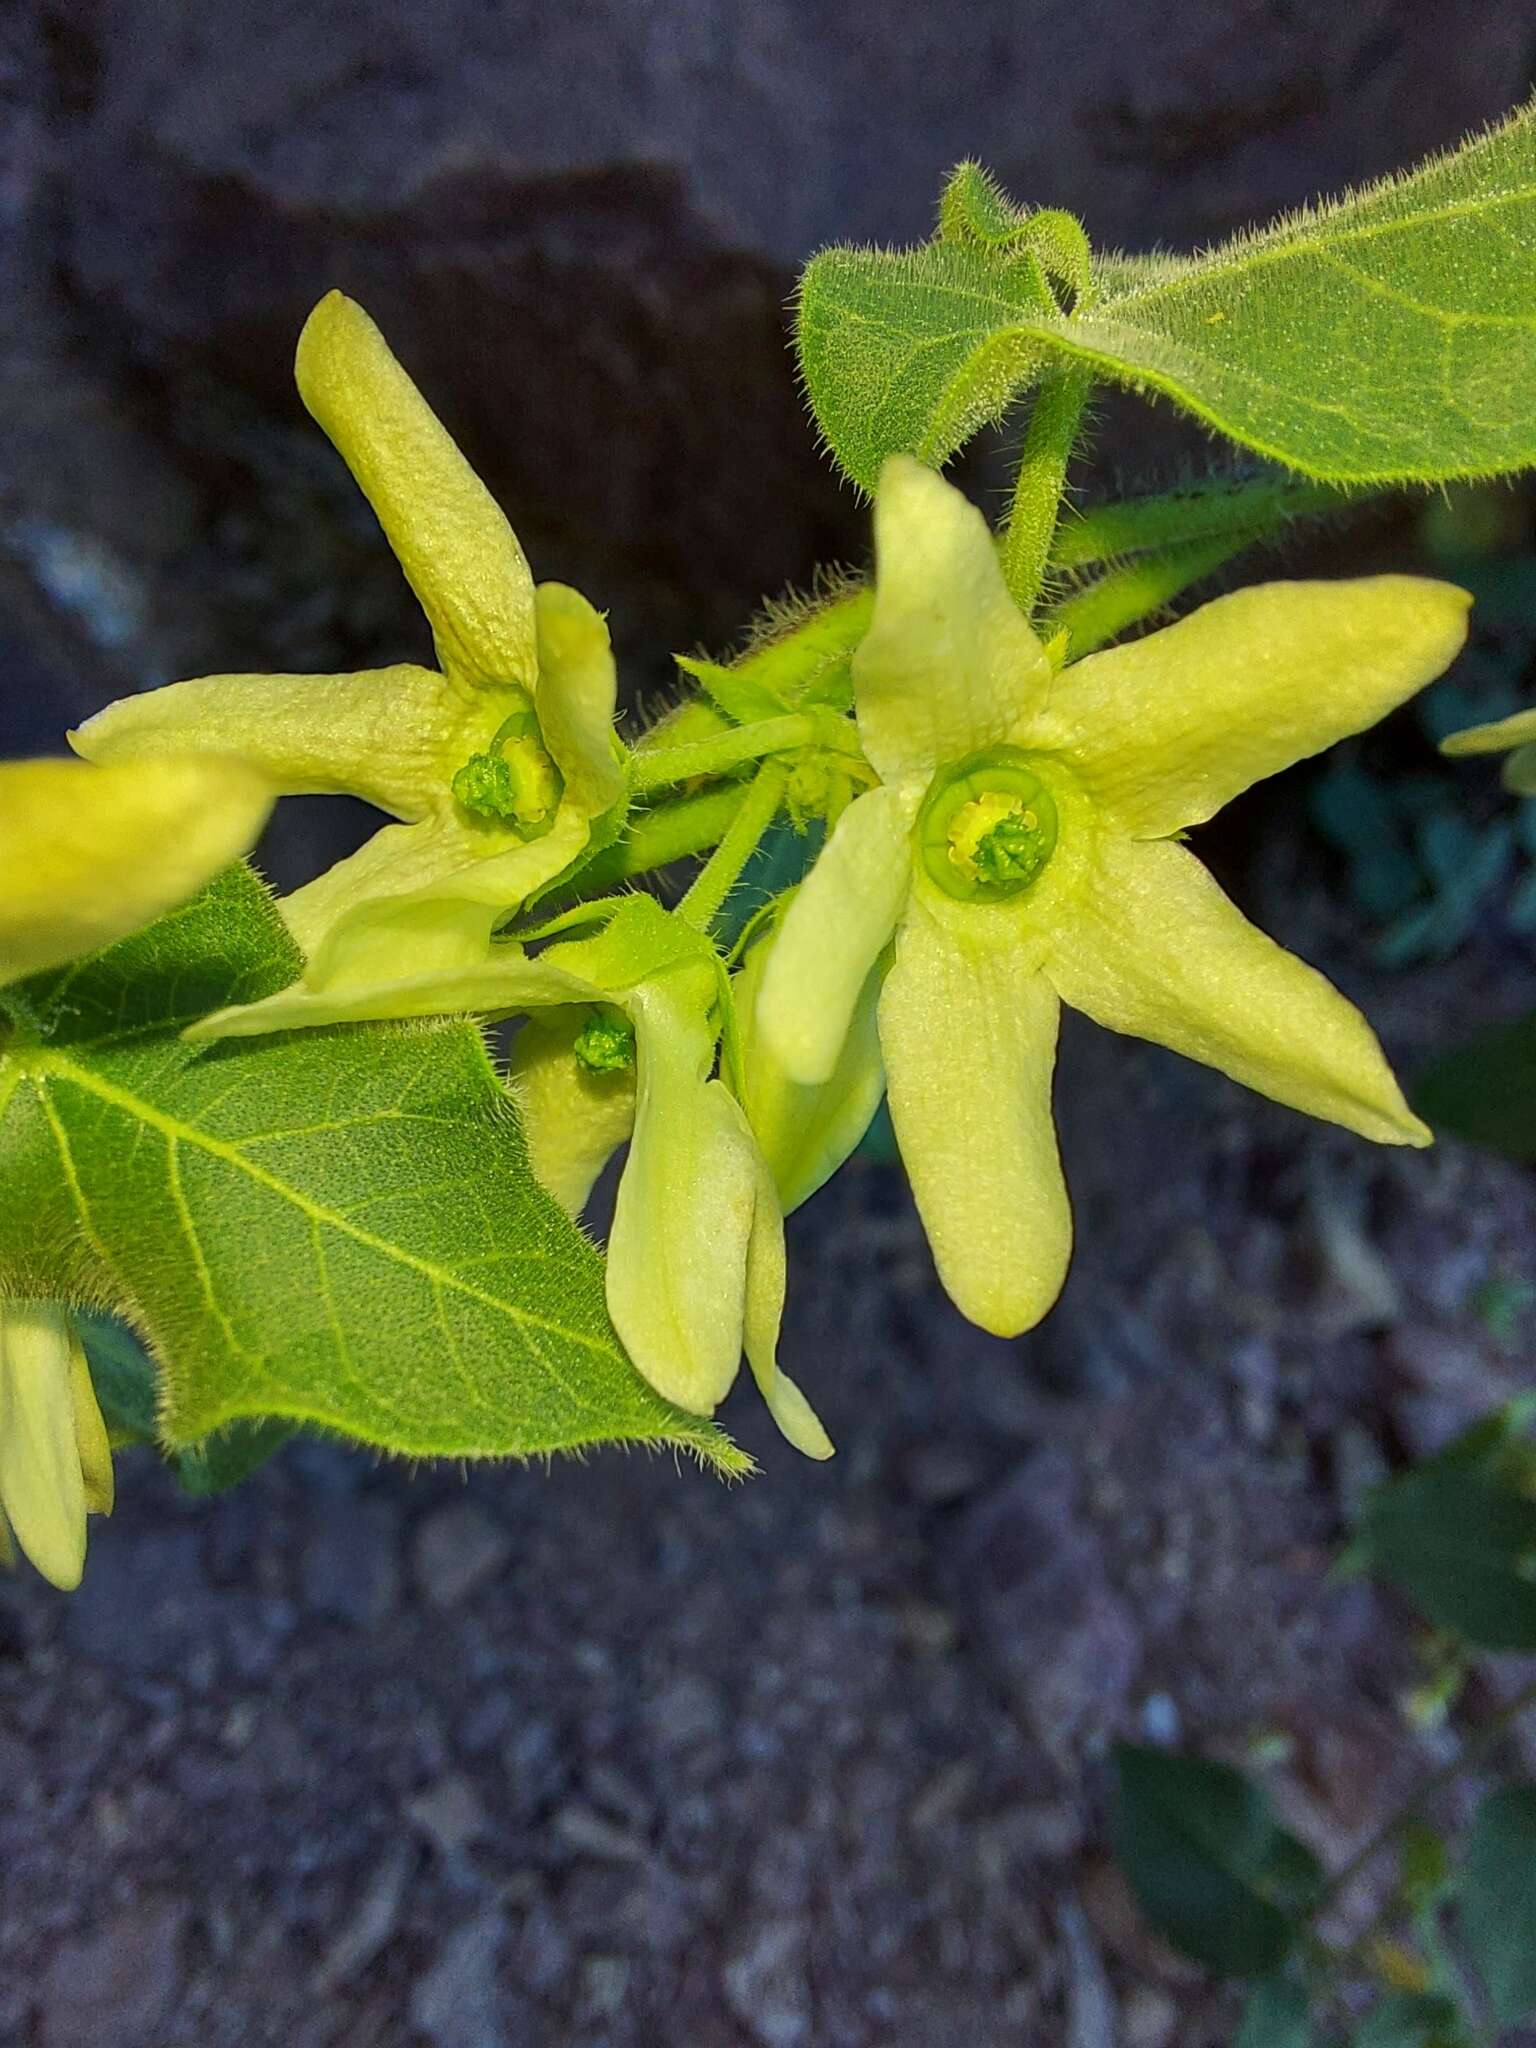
point(1165, 730)
point(458, 552)
point(834, 931)
point(949, 663)
point(577, 696)
point(764, 1311)
point(677, 1253)
point(573, 1121)
point(88, 854)
point(500, 982)
point(968, 1028)
point(1159, 952)
point(1518, 730)
point(92, 1443)
point(379, 734)
point(804, 1133)
point(372, 901)
point(41, 1483)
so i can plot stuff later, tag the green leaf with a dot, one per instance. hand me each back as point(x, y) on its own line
point(124, 1377)
point(1411, 2019)
point(1485, 1090)
point(1461, 1547)
point(1389, 337)
point(337, 1228)
point(1214, 1872)
point(1498, 1900)
point(1275, 2016)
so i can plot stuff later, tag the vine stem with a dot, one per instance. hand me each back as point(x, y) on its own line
point(655, 767)
point(1480, 1740)
point(1049, 440)
point(720, 873)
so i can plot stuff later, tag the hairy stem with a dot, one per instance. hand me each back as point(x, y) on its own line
point(720, 873)
point(1048, 443)
point(657, 767)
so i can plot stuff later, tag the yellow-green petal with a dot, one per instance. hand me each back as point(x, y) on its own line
point(42, 1485)
point(92, 1442)
point(763, 1312)
point(1160, 953)
point(369, 903)
point(968, 1029)
point(577, 697)
point(949, 664)
point(1518, 730)
point(500, 982)
point(459, 554)
point(1165, 730)
point(88, 855)
point(804, 1133)
point(573, 1121)
point(380, 734)
point(682, 1223)
point(1519, 775)
point(834, 931)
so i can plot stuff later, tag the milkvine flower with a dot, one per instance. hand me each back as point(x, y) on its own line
point(620, 1044)
point(55, 1457)
point(87, 856)
point(499, 762)
point(1023, 850)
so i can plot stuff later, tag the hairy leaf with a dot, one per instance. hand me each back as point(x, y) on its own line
point(337, 1228)
point(1213, 1871)
point(1275, 2016)
point(1485, 1090)
point(1461, 1546)
point(1389, 337)
point(125, 1380)
point(1412, 2019)
point(1498, 1900)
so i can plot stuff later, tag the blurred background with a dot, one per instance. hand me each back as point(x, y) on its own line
point(608, 1755)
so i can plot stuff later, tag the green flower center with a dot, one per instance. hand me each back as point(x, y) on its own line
point(987, 827)
point(513, 782)
point(605, 1044)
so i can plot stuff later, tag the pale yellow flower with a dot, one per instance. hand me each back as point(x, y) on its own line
point(1023, 851)
point(498, 762)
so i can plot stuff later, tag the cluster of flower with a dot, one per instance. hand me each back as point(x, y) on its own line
point(1006, 838)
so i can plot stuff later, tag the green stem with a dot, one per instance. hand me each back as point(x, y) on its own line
point(1214, 508)
point(1133, 590)
point(1477, 1742)
point(720, 873)
point(1048, 443)
point(652, 839)
point(656, 767)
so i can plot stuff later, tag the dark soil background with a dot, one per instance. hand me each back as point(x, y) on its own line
point(608, 1755)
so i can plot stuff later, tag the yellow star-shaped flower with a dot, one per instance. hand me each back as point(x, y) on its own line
point(1023, 851)
point(498, 762)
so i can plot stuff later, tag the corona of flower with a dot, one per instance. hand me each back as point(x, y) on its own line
point(498, 762)
point(1023, 851)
